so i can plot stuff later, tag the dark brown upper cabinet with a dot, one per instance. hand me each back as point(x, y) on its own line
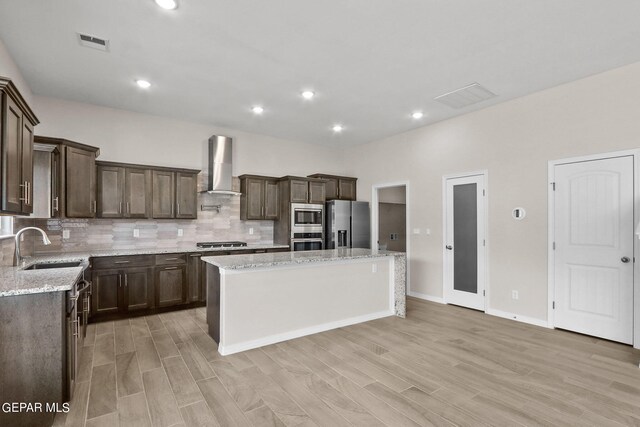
point(73, 178)
point(303, 190)
point(338, 187)
point(175, 193)
point(259, 199)
point(123, 192)
point(17, 121)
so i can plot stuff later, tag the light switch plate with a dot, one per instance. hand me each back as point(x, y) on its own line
point(136, 232)
point(180, 232)
point(416, 231)
point(250, 230)
point(66, 234)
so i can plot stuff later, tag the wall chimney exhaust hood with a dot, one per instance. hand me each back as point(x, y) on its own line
point(220, 163)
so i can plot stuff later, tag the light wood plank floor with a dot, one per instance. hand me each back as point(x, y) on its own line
point(443, 365)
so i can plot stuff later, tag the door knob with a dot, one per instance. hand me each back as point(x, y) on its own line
point(449, 247)
point(625, 259)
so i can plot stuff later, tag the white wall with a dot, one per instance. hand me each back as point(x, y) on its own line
point(127, 136)
point(9, 69)
point(393, 195)
point(513, 141)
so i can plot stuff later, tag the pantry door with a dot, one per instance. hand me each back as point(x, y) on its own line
point(464, 245)
point(594, 247)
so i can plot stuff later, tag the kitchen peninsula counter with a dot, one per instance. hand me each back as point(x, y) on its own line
point(260, 299)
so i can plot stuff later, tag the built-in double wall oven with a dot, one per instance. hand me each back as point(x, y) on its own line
point(307, 227)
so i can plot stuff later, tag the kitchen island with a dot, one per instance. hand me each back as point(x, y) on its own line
point(261, 299)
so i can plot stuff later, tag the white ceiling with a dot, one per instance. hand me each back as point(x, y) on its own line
point(371, 63)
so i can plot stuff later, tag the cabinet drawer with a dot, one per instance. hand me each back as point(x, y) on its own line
point(171, 259)
point(123, 261)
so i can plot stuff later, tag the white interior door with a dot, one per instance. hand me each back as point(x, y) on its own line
point(593, 216)
point(465, 242)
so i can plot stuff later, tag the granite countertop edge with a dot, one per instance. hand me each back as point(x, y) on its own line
point(250, 261)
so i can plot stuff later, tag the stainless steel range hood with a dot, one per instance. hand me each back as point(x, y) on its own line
point(220, 164)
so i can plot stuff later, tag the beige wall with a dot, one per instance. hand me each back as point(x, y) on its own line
point(9, 69)
point(513, 141)
point(393, 194)
point(392, 219)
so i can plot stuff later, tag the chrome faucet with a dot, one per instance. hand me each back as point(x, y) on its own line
point(45, 240)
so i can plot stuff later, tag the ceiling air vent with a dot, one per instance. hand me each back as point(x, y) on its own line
point(465, 96)
point(93, 42)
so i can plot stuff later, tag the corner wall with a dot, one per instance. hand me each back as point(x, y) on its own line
point(513, 141)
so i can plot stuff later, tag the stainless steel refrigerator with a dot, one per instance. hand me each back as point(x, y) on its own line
point(347, 224)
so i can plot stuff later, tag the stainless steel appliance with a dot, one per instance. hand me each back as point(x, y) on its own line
point(232, 244)
point(307, 223)
point(347, 225)
point(220, 165)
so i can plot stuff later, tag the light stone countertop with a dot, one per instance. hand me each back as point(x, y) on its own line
point(240, 262)
point(17, 281)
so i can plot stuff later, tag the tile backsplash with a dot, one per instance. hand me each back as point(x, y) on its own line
point(102, 234)
point(6, 251)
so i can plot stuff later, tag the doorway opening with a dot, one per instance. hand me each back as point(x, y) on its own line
point(390, 219)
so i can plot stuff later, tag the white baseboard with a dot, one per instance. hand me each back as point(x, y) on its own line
point(272, 339)
point(519, 318)
point(439, 300)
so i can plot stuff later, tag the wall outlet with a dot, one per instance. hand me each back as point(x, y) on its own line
point(180, 232)
point(250, 230)
point(136, 232)
point(374, 268)
point(416, 231)
point(428, 232)
point(66, 234)
point(514, 295)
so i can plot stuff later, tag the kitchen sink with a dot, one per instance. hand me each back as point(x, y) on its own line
point(47, 265)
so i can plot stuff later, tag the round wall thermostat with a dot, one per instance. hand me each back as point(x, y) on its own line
point(518, 213)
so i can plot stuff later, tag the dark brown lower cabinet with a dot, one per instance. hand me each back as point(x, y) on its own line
point(121, 291)
point(195, 279)
point(171, 285)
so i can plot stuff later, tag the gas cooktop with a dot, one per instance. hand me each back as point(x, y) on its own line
point(220, 244)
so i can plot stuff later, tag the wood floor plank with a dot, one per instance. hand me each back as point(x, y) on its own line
point(195, 361)
point(133, 411)
point(178, 335)
point(147, 355)
point(78, 406)
point(162, 404)
point(264, 417)
point(222, 405)
point(154, 323)
point(164, 344)
point(443, 409)
point(102, 396)
point(139, 327)
point(128, 375)
point(124, 339)
point(206, 345)
point(198, 414)
point(104, 350)
point(109, 420)
point(182, 383)
point(104, 328)
point(237, 385)
point(85, 363)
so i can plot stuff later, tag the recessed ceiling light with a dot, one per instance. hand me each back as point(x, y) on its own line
point(308, 94)
point(257, 109)
point(417, 115)
point(337, 128)
point(167, 4)
point(143, 84)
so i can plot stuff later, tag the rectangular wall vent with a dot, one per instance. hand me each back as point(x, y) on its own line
point(465, 96)
point(93, 42)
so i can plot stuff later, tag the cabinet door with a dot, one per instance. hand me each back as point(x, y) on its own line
point(110, 192)
point(195, 278)
point(299, 191)
point(331, 189)
point(138, 291)
point(255, 198)
point(271, 201)
point(163, 194)
point(137, 193)
point(186, 195)
point(347, 189)
point(171, 285)
point(27, 165)
point(81, 183)
point(105, 296)
point(13, 188)
point(316, 192)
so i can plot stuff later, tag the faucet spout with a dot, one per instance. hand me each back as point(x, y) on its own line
point(18, 256)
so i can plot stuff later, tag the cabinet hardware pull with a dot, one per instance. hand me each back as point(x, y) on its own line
point(120, 207)
point(119, 280)
point(121, 262)
point(28, 193)
point(23, 192)
point(195, 255)
point(171, 268)
point(74, 327)
point(56, 204)
point(126, 280)
point(177, 209)
point(128, 208)
point(171, 259)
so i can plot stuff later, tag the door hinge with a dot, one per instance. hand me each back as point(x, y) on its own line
point(484, 242)
point(483, 193)
point(554, 246)
point(484, 293)
point(553, 305)
point(553, 184)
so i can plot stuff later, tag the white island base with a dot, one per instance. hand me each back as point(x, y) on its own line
point(266, 302)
